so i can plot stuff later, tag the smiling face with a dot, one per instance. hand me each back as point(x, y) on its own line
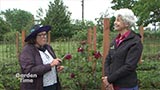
point(119, 24)
point(41, 38)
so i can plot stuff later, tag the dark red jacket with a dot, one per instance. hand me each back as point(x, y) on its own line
point(121, 62)
point(31, 63)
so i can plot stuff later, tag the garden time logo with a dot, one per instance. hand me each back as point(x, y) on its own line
point(26, 78)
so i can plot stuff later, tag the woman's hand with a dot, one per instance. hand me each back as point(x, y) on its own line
point(60, 68)
point(105, 81)
point(55, 62)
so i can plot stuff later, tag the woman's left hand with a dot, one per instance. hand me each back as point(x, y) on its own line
point(60, 68)
point(105, 81)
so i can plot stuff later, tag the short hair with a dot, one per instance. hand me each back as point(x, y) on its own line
point(127, 16)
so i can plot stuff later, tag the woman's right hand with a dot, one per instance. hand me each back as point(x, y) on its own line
point(55, 62)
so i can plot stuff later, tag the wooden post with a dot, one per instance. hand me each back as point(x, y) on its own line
point(106, 43)
point(94, 47)
point(23, 37)
point(49, 37)
point(94, 38)
point(141, 31)
point(89, 41)
point(17, 43)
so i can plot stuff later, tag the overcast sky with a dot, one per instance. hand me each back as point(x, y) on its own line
point(92, 8)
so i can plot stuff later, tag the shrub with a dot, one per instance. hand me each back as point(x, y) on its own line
point(148, 74)
point(79, 72)
point(8, 70)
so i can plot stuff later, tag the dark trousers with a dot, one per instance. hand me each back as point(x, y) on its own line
point(133, 88)
point(52, 87)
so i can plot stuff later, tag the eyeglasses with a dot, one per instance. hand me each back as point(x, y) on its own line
point(42, 35)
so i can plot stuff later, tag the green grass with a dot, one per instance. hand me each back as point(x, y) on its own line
point(148, 74)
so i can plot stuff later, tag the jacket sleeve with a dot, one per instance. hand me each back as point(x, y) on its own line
point(130, 65)
point(27, 63)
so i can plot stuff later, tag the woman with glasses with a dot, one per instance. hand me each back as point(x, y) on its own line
point(38, 62)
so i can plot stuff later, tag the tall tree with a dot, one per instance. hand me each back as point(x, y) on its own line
point(123, 4)
point(39, 16)
point(18, 19)
point(4, 28)
point(59, 18)
point(148, 12)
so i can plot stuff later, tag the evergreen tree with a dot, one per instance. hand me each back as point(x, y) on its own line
point(59, 18)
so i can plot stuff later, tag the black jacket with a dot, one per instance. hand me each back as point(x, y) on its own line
point(121, 61)
point(31, 62)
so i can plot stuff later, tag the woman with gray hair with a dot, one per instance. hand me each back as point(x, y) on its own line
point(124, 54)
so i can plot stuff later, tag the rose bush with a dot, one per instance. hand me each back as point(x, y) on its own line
point(80, 73)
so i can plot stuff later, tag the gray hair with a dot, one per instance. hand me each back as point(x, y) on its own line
point(127, 16)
